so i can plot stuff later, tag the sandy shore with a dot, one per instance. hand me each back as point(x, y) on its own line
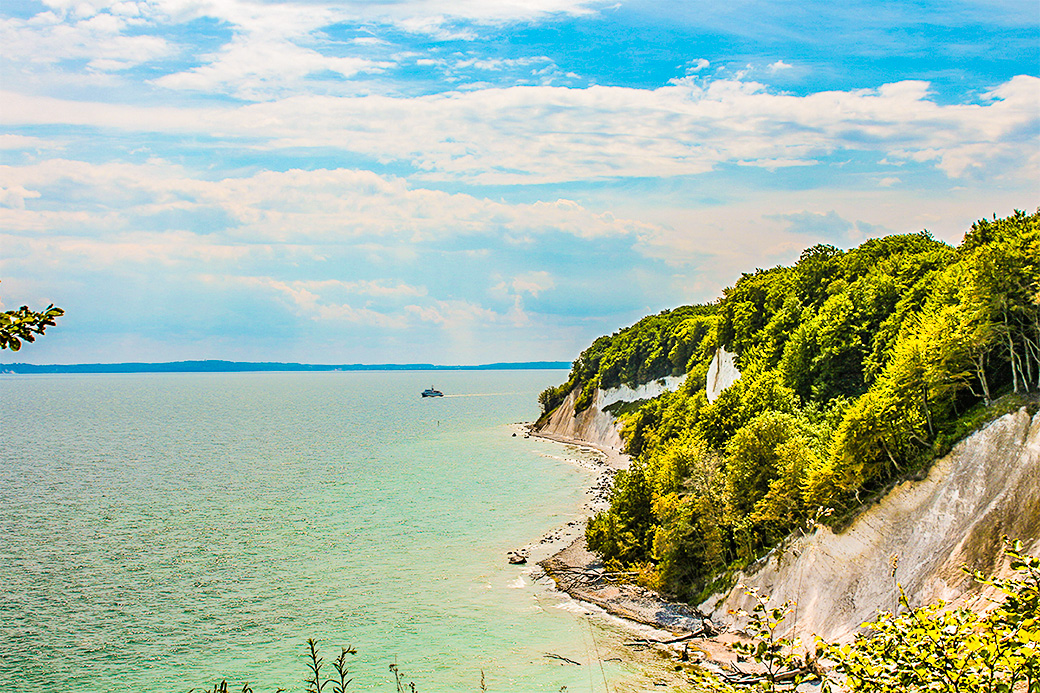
point(581, 574)
point(612, 457)
point(677, 631)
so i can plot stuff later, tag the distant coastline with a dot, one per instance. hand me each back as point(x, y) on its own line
point(249, 367)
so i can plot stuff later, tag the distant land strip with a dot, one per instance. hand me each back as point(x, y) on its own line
point(246, 366)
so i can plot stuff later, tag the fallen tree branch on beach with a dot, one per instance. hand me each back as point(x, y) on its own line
point(671, 641)
point(744, 678)
point(568, 578)
point(551, 655)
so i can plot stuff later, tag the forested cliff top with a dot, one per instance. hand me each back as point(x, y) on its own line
point(858, 367)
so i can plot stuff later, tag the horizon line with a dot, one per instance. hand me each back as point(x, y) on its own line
point(224, 366)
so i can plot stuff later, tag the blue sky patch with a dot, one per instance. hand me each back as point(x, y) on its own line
point(393, 181)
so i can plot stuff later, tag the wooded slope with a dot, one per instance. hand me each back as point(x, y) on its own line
point(858, 367)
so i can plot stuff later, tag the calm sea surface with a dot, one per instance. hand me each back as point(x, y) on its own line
point(161, 531)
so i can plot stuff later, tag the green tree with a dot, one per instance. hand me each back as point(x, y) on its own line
point(624, 532)
point(754, 457)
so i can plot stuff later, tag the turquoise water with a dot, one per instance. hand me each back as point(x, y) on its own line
point(161, 531)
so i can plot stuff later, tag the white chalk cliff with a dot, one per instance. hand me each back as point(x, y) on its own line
point(722, 372)
point(595, 426)
point(919, 535)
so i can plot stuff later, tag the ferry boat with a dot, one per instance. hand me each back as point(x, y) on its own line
point(432, 393)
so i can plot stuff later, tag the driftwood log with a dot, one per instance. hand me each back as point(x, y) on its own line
point(744, 678)
point(671, 641)
point(551, 655)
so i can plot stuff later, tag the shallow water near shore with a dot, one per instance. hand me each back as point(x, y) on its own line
point(162, 531)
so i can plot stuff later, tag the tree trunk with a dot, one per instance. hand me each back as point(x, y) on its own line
point(1011, 353)
point(927, 412)
point(1032, 356)
point(980, 370)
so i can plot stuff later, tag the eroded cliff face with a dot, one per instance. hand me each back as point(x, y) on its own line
point(919, 535)
point(722, 372)
point(594, 426)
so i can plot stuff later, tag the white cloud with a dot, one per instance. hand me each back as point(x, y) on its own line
point(311, 300)
point(483, 11)
point(495, 64)
point(15, 196)
point(305, 297)
point(547, 134)
point(48, 38)
point(276, 47)
point(779, 65)
point(452, 314)
point(533, 283)
point(712, 245)
point(25, 142)
point(695, 66)
point(163, 252)
point(257, 70)
point(291, 206)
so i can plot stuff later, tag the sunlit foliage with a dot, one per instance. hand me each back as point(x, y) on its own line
point(857, 367)
point(935, 648)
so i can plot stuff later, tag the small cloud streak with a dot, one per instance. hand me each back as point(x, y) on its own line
point(695, 66)
point(533, 283)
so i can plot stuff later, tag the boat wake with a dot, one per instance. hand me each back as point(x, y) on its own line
point(486, 394)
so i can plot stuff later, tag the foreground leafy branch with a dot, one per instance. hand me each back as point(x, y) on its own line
point(935, 648)
point(23, 324)
point(778, 655)
point(314, 664)
point(931, 648)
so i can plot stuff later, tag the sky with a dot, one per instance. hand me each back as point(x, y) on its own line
point(476, 181)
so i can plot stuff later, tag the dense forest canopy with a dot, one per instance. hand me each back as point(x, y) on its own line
point(857, 367)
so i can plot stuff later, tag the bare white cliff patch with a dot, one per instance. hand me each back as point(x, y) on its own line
point(722, 372)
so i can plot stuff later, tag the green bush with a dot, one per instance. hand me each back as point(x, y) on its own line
point(934, 648)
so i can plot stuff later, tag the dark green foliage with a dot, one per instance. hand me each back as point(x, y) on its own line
point(657, 346)
point(551, 397)
point(856, 368)
point(23, 324)
point(738, 405)
point(623, 532)
point(748, 306)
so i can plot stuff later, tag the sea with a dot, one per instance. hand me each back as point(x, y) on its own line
point(167, 531)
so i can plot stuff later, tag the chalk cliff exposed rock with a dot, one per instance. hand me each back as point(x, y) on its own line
point(919, 534)
point(595, 426)
point(722, 372)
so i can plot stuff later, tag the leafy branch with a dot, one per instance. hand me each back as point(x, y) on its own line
point(23, 324)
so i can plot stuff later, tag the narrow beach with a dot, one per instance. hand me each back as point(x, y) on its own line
point(671, 630)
